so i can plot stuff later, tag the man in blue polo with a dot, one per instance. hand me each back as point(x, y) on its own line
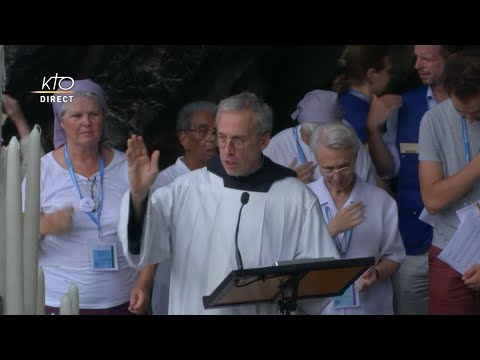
point(411, 281)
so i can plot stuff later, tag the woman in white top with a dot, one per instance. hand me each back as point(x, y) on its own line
point(362, 220)
point(82, 183)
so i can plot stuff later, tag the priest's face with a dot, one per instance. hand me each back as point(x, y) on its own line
point(239, 144)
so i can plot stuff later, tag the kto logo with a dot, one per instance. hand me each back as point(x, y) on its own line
point(56, 85)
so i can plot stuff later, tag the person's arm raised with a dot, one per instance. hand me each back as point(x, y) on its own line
point(380, 109)
point(15, 114)
point(142, 171)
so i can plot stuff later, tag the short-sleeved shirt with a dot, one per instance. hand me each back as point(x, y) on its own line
point(441, 139)
point(376, 236)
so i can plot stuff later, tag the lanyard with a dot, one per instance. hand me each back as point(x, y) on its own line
point(342, 246)
point(100, 193)
point(466, 143)
point(431, 102)
point(301, 154)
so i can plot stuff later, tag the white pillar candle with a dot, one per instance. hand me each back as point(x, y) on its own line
point(3, 171)
point(14, 260)
point(65, 305)
point(31, 223)
point(41, 292)
point(74, 299)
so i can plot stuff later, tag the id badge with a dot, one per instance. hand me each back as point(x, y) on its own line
point(104, 258)
point(409, 148)
point(349, 299)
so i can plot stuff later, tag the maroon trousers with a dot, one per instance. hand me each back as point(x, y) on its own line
point(448, 294)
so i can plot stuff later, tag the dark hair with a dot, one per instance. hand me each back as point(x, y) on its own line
point(462, 75)
point(451, 49)
point(185, 114)
point(355, 62)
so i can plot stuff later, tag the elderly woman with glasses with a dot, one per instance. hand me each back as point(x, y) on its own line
point(362, 220)
point(81, 186)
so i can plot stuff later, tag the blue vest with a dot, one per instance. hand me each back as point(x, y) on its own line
point(355, 111)
point(416, 235)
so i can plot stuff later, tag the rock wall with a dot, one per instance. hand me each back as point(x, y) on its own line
point(147, 84)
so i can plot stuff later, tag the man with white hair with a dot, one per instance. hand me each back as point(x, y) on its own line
point(290, 146)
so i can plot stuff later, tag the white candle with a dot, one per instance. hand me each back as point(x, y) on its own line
point(14, 260)
point(74, 299)
point(3, 188)
point(31, 223)
point(41, 292)
point(3, 171)
point(65, 305)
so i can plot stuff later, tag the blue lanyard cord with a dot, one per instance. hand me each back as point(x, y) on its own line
point(75, 183)
point(301, 154)
point(466, 143)
point(347, 236)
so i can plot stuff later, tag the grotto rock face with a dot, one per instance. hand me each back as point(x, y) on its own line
point(147, 84)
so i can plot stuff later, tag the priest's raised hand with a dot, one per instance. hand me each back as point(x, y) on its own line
point(142, 169)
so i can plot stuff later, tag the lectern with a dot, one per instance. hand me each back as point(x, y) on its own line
point(287, 283)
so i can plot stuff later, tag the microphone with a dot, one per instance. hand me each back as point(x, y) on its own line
point(244, 200)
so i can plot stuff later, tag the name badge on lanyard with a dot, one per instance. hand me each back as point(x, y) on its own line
point(466, 148)
point(341, 242)
point(102, 256)
point(408, 148)
point(348, 299)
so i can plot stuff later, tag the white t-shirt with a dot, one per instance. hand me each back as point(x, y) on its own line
point(65, 258)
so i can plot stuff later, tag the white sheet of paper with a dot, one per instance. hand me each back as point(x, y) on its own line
point(426, 217)
point(463, 249)
point(472, 209)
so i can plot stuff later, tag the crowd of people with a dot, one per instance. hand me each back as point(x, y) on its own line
point(362, 173)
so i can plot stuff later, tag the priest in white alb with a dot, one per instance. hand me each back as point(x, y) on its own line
point(193, 220)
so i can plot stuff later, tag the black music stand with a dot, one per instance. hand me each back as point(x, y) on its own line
point(286, 284)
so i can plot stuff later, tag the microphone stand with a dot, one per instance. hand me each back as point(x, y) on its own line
point(287, 305)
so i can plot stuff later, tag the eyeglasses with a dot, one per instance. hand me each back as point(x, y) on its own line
point(203, 131)
point(93, 190)
point(348, 170)
point(238, 142)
